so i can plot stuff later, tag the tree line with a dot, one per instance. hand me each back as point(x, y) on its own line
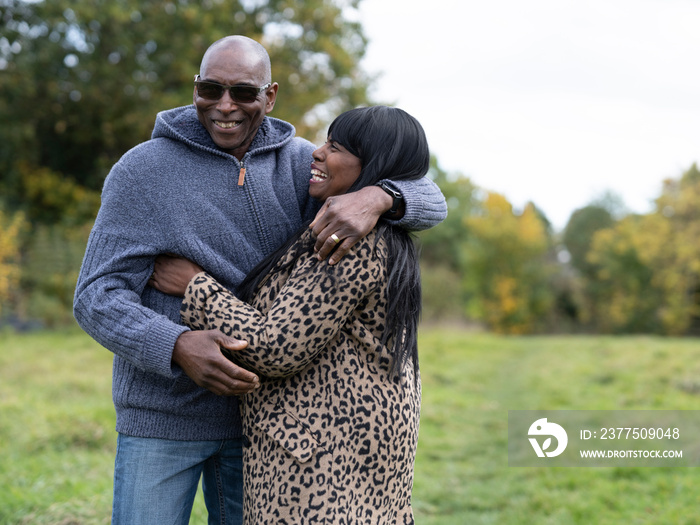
point(80, 85)
point(608, 271)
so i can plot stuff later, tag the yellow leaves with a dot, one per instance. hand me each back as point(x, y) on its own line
point(532, 229)
point(505, 290)
point(10, 229)
point(507, 311)
point(499, 222)
point(506, 273)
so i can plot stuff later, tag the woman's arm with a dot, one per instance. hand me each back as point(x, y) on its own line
point(171, 274)
point(307, 311)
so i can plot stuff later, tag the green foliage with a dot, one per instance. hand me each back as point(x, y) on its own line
point(625, 298)
point(51, 262)
point(581, 292)
point(57, 436)
point(441, 246)
point(441, 254)
point(52, 198)
point(443, 296)
point(81, 83)
point(578, 235)
point(674, 253)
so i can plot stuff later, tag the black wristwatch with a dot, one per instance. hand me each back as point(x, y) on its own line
point(394, 195)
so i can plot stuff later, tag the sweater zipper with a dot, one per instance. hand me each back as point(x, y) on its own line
point(241, 174)
point(241, 180)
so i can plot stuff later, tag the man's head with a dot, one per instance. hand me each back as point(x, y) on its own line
point(235, 61)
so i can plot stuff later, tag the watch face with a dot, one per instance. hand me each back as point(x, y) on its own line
point(390, 191)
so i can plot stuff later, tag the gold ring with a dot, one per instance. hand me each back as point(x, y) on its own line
point(335, 238)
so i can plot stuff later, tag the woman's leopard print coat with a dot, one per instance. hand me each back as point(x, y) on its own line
point(332, 435)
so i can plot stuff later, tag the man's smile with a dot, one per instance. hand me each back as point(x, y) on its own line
point(227, 125)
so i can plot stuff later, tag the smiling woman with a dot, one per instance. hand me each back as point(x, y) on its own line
point(333, 171)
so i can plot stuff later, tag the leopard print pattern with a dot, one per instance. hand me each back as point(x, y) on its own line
point(331, 433)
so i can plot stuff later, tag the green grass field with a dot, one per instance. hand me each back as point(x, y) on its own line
point(57, 436)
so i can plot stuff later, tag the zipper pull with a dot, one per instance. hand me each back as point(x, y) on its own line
point(241, 175)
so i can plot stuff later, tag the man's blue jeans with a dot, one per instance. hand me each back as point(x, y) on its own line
point(155, 481)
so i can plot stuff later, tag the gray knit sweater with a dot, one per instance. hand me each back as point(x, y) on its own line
point(179, 193)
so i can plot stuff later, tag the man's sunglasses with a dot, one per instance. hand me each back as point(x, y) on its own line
point(240, 93)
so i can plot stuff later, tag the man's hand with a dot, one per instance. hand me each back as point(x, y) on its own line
point(198, 353)
point(345, 219)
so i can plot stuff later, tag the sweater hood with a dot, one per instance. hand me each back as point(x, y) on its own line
point(182, 124)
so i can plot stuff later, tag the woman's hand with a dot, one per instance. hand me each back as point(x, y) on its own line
point(172, 274)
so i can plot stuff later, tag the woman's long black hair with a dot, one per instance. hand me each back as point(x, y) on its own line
point(391, 145)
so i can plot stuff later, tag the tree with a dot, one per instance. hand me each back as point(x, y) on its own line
point(578, 235)
point(648, 267)
point(580, 288)
point(622, 293)
point(441, 245)
point(80, 85)
point(506, 272)
point(674, 252)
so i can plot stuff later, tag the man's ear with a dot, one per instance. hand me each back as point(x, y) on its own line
point(271, 94)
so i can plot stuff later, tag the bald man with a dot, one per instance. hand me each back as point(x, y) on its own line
point(222, 184)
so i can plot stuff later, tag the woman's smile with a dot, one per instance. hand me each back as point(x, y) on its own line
point(333, 170)
point(317, 175)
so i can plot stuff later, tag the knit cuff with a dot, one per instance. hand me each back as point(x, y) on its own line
point(425, 204)
point(157, 346)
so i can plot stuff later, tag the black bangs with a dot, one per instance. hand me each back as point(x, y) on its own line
point(346, 130)
point(389, 142)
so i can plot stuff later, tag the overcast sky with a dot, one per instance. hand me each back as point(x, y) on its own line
point(549, 101)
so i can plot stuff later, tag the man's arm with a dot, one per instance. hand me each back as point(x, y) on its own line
point(351, 216)
point(108, 306)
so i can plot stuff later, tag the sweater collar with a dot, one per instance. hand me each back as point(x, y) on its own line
point(183, 125)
